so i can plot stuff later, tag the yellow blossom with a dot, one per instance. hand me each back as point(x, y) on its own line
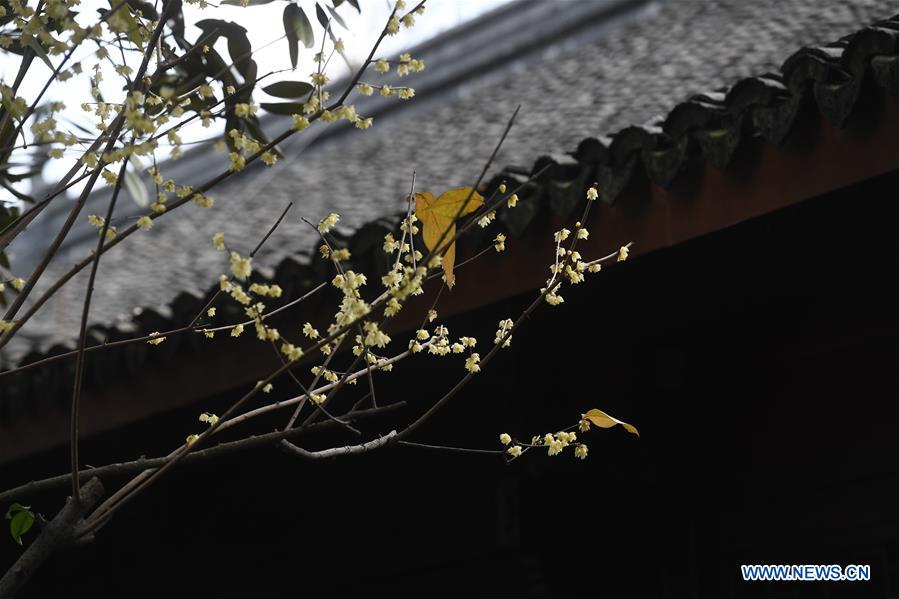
point(203, 201)
point(310, 331)
point(240, 267)
point(341, 255)
point(292, 352)
point(327, 223)
point(486, 219)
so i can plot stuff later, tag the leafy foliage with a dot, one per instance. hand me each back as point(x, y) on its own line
point(297, 28)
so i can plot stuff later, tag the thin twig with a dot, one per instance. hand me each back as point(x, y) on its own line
point(82, 336)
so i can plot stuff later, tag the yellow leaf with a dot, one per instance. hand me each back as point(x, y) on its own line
point(438, 221)
point(603, 420)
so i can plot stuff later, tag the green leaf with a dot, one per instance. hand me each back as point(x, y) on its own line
point(287, 108)
point(337, 17)
point(288, 89)
point(226, 27)
point(239, 47)
point(21, 523)
point(321, 16)
point(355, 4)
point(302, 26)
point(136, 188)
point(297, 28)
point(14, 508)
point(292, 41)
point(241, 54)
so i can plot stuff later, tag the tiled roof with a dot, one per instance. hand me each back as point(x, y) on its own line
point(625, 76)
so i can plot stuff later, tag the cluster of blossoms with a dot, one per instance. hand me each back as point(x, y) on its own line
point(569, 265)
point(439, 344)
point(208, 418)
point(407, 20)
point(405, 278)
point(501, 333)
point(404, 66)
point(409, 65)
point(554, 444)
point(244, 145)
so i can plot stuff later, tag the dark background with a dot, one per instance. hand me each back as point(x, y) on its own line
point(759, 364)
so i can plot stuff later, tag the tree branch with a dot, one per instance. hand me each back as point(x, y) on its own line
point(335, 452)
point(222, 449)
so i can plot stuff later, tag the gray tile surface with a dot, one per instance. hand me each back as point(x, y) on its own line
point(625, 73)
